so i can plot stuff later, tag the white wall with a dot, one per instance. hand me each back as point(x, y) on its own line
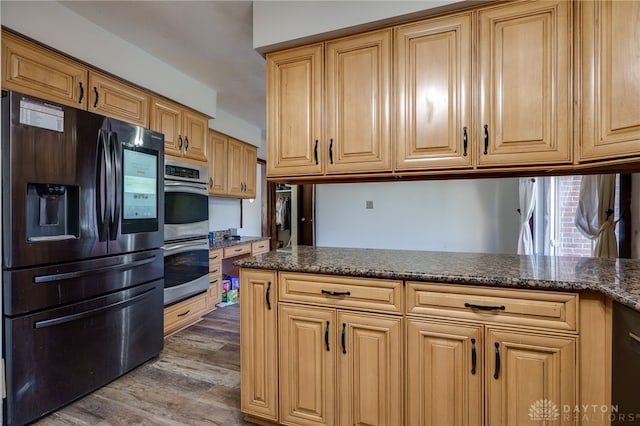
point(475, 215)
point(277, 23)
point(252, 210)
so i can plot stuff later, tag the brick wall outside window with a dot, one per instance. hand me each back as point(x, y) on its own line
point(570, 241)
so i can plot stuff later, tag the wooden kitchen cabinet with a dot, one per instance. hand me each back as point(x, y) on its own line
point(518, 346)
point(339, 367)
point(232, 170)
point(610, 75)
point(185, 131)
point(433, 83)
point(259, 343)
point(214, 292)
point(217, 163)
point(34, 70)
point(114, 98)
point(524, 90)
point(184, 313)
point(350, 130)
point(445, 374)
point(295, 144)
point(526, 370)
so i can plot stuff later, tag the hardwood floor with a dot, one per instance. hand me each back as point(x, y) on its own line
point(194, 381)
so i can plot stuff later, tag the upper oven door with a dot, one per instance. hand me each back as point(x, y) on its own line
point(186, 212)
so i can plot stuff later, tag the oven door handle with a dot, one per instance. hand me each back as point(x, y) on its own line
point(199, 189)
point(181, 247)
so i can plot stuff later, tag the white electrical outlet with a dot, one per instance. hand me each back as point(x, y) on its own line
point(369, 204)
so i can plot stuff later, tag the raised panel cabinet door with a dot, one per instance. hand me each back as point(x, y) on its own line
point(235, 169)
point(30, 69)
point(166, 118)
point(259, 343)
point(370, 385)
point(433, 94)
point(524, 74)
point(294, 112)
point(610, 80)
point(531, 378)
point(444, 374)
point(358, 103)
point(196, 130)
point(113, 98)
point(250, 161)
point(217, 163)
point(307, 364)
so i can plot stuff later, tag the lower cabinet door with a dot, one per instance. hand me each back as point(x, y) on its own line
point(369, 369)
point(444, 374)
point(531, 378)
point(258, 344)
point(307, 365)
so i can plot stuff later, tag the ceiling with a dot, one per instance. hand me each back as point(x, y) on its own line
point(211, 41)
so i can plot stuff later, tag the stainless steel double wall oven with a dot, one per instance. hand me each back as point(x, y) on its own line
point(186, 229)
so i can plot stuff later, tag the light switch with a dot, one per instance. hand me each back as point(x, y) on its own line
point(369, 204)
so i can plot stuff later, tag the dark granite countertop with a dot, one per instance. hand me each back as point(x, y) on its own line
point(617, 278)
point(220, 243)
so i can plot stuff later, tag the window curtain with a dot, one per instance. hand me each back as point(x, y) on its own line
point(594, 215)
point(527, 196)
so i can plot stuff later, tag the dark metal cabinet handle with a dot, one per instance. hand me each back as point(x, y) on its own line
point(268, 295)
point(331, 151)
point(186, 142)
point(180, 141)
point(184, 313)
point(486, 139)
point(326, 336)
point(95, 103)
point(465, 140)
point(485, 308)
point(210, 183)
point(315, 152)
point(473, 356)
point(81, 93)
point(496, 373)
point(336, 293)
point(344, 338)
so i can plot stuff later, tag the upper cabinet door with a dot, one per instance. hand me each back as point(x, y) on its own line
point(195, 128)
point(166, 118)
point(36, 71)
point(358, 82)
point(433, 94)
point(249, 161)
point(610, 79)
point(235, 169)
point(524, 56)
point(294, 112)
point(113, 98)
point(217, 163)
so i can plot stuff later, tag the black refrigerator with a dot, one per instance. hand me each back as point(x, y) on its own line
point(83, 268)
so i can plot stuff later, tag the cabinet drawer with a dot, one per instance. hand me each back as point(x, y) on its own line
point(237, 250)
point(215, 257)
point(215, 269)
point(504, 306)
point(339, 291)
point(184, 313)
point(259, 247)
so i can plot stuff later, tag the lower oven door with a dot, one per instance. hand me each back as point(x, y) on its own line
point(186, 269)
point(58, 355)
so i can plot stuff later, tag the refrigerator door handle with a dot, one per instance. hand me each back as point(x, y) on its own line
point(117, 163)
point(76, 274)
point(81, 315)
point(101, 193)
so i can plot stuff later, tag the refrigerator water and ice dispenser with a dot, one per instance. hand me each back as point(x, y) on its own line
point(52, 212)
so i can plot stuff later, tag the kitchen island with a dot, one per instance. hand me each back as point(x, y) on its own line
point(338, 335)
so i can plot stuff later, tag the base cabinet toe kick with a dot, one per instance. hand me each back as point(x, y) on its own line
point(327, 349)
